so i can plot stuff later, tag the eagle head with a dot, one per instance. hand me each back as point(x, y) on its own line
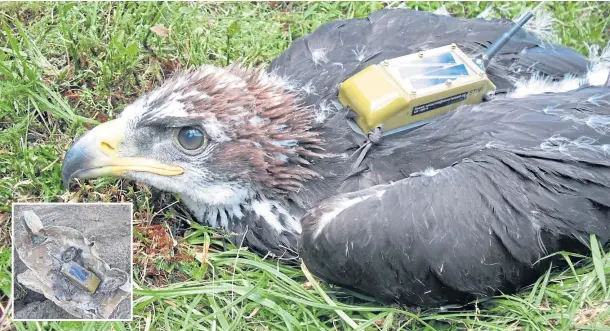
point(219, 137)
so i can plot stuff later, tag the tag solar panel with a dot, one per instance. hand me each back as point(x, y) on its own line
point(432, 70)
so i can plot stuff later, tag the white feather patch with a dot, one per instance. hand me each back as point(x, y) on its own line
point(222, 201)
point(565, 145)
point(323, 111)
point(291, 223)
point(360, 52)
point(264, 209)
point(542, 25)
point(599, 123)
point(309, 88)
point(537, 84)
point(319, 56)
point(339, 206)
point(597, 75)
point(429, 171)
point(600, 65)
point(215, 129)
point(273, 79)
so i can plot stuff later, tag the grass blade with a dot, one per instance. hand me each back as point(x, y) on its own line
point(598, 263)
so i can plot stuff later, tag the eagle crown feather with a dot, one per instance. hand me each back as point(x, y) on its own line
point(262, 123)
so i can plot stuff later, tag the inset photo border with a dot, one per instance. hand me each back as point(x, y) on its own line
point(72, 261)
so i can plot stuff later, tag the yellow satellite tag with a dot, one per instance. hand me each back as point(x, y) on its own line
point(401, 92)
point(83, 277)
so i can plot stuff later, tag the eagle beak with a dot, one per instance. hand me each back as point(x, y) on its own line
point(95, 154)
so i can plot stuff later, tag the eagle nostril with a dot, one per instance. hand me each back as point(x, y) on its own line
point(108, 148)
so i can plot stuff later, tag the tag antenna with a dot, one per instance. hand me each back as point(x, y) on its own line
point(483, 60)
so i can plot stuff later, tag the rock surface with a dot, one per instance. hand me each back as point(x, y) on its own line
point(109, 226)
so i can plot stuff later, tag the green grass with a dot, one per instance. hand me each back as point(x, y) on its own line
point(63, 67)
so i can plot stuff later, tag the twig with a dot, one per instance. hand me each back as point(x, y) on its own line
point(148, 320)
point(4, 325)
point(162, 209)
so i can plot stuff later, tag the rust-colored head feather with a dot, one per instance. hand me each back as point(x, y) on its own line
point(266, 134)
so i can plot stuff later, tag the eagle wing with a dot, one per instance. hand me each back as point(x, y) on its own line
point(317, 63)
point(512, 181)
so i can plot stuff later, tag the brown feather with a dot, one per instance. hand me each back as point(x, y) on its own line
point(270, 132)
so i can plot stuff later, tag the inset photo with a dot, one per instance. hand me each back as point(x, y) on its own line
point(72, 261)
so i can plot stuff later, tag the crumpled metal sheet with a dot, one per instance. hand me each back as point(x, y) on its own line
point(41, 249)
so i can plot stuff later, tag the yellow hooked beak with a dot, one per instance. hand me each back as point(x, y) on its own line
point(95, 154)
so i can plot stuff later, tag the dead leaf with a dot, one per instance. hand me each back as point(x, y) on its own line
point(589, 315)
point(171, 303)
point(3, 217)
point(254, 311)
point(204, 255)
point(160, 30)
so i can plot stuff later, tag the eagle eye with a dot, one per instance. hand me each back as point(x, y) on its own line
point(191, 139)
